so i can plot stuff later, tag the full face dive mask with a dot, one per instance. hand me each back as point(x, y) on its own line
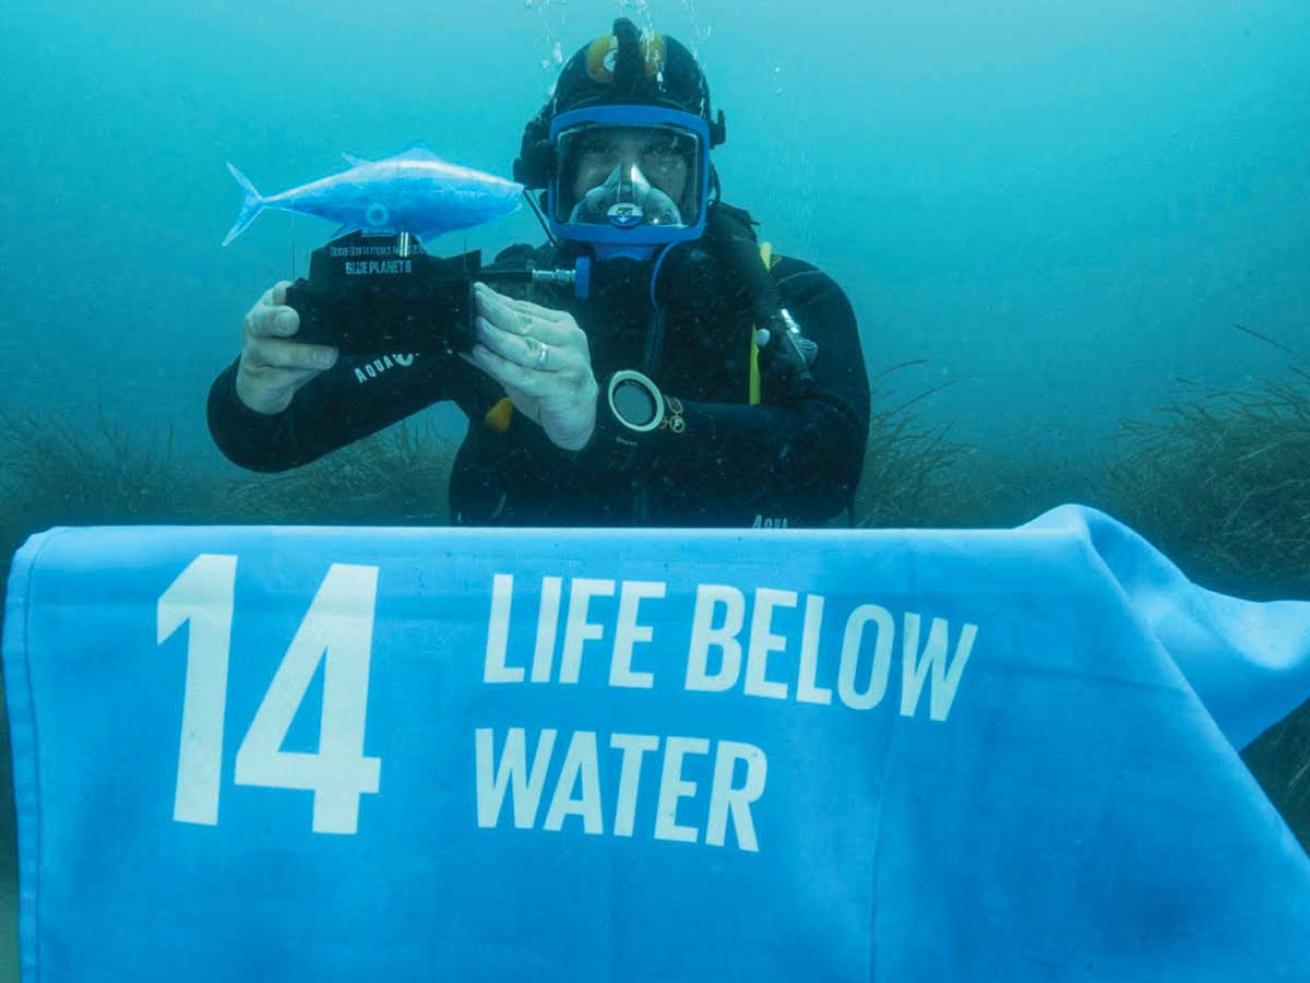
point(628, 179)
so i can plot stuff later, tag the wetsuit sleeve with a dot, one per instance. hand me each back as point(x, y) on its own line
point(797, 458)
point(353, 399)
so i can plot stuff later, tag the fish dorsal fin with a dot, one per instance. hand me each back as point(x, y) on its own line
point(421, 150)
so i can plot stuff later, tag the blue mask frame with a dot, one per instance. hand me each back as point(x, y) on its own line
point(639, 242)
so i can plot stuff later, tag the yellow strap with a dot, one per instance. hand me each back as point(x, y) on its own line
point(766, 255)
point(497, 418)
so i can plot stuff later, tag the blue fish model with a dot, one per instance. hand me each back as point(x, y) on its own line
point(415, 191)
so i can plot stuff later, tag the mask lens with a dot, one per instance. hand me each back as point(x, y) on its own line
point(627, 176)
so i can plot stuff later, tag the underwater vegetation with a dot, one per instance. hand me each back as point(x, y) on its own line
point(1224, 480)
point(397, 477)
point(907, 463)
point(1217, 479)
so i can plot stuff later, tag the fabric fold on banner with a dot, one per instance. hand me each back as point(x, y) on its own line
point(1249, 662)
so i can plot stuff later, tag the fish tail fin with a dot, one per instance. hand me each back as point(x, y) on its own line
point(250, 207)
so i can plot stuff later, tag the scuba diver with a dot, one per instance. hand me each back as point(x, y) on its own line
point(702, 381)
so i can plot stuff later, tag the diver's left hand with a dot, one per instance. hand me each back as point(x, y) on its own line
point(542, 359)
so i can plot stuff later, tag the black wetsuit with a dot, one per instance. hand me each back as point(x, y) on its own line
point(792, 460)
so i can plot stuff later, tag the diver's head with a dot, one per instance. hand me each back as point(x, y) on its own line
point(622, 147)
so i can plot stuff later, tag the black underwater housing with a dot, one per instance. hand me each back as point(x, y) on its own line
point(371, 295)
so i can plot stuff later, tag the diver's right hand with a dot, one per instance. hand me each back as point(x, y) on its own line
point(273, 368)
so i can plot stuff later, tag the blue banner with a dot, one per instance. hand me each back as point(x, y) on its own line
point(416, 754)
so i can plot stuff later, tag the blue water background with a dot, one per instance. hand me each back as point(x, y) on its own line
point(1061, 206)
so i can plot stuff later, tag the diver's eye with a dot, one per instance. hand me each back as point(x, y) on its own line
point(660, 150)
point(598, 155)
point(662, 155)
point(589, 146)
